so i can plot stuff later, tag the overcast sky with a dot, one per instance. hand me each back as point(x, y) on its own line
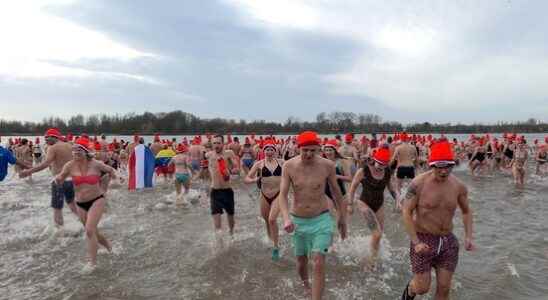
point(409, 61)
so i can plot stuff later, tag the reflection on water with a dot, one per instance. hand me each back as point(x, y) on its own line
point(163, 252)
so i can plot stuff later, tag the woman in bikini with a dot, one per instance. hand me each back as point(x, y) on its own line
point(86, 173)
point(375, 177)
point(267, 174)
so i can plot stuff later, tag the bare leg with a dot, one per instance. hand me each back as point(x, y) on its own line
point(58, 216)
point(302, 269)
point(377, 235)
point(420, 284)
point(319, 276)
point(273, 221)
point(93, 218)
point(73, 208)
point(217, 222)
point(265, 212)
point(231, 223)
point(443, 284)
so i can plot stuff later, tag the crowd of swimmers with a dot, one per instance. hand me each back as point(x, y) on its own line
point(323, 175)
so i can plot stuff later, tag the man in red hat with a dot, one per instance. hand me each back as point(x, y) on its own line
point(58, 154)
point(349, 151)
point(406, 159)
point(222, 195)
point(308, 173)
point(428, 211)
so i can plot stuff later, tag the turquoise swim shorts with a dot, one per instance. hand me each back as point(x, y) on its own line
point(313, 234)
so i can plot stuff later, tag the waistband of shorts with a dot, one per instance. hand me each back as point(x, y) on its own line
point(66, 181)
point(426, 234)
point(310, 218)
point(222, 190)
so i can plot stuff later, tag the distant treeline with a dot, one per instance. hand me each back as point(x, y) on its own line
point(182, 123)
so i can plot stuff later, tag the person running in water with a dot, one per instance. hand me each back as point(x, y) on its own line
point(542, 159)
point(343, 173)
point(86, 173)
point(521, 154)
point(222, 195)
point(310, 219)
point(374, 176)
point(58, 154)
point(6, 157)
point(37, 151)
point(183, 175)
point(406, 157)
point(428, 211)
point(247, 156)
point(267, 174)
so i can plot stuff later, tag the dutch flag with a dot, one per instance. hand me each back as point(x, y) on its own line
point(141, 168)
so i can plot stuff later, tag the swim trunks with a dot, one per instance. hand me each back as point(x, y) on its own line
point(405, 172)
point(222, 199)
point(248, 162)
point(313, 234)
point(195, 164)
point(443, 253)
point(182, 177)
point(60, 192)
point(165, 170)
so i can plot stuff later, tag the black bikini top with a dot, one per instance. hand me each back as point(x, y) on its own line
point(265, 172)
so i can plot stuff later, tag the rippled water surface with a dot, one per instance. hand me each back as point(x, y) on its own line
point(163, 252)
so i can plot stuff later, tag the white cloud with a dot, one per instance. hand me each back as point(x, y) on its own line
point(31, 39)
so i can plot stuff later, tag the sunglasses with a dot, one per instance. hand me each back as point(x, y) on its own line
point(444, 166)
point(376, 164)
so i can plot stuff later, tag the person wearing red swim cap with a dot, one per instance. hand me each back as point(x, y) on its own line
point(266, 173)
point(310, 219)
point(479, 159)
point(89, 177)
point(58, 154)
point(183, 175)
point(405, 158)
point(23, 153)
point(290, 149)
point(428, 210)
point(374, 176)
point(37, 151)
point(349, 151)
point(221, 164)
point(196, 152)
point(541, 158)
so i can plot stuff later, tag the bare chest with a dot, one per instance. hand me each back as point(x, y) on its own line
point(438, 198)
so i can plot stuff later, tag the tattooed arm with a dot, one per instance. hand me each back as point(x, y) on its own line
point(410, 202)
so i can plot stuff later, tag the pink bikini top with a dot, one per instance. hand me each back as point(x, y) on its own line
point(89, 179)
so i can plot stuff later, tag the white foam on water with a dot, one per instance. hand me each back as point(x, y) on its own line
point(512, 268)
point(88, 269)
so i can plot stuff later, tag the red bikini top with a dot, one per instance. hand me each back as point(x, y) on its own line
point(89, 179)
